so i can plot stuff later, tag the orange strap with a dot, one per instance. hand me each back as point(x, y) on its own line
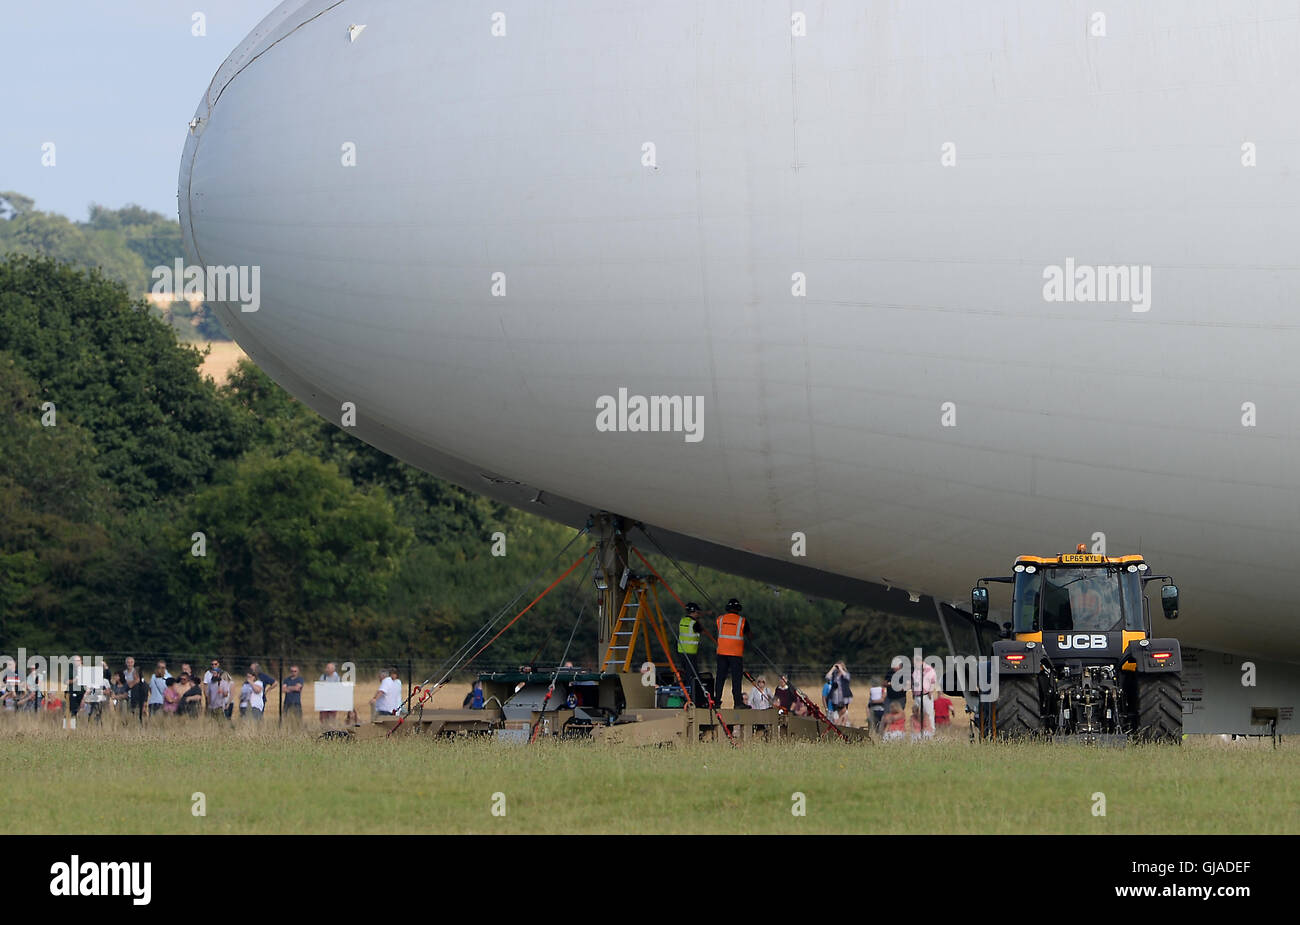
point(402, 719)
point(530, 606)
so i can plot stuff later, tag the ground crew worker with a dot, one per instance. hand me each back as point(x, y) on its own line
point(732, 630)
point(688, 643)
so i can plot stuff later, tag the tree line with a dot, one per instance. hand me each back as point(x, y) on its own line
point(125, 243)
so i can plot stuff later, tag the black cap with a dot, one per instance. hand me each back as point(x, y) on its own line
point(733, 604)
point(692, 607)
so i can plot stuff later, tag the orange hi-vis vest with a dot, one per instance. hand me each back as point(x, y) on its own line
point(731, 634)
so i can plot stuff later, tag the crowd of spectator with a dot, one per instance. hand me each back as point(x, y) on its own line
point(132, 692)
point(887, 712)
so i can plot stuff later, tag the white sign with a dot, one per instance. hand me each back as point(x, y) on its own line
point(334, 695)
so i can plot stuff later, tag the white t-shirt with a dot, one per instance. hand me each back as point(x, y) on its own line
point(255, 700)
point(390, 695)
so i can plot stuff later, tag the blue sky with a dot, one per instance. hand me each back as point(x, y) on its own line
point(113, 85)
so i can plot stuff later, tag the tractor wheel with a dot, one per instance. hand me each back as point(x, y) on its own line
point(1159, 709)
point(1017, 714)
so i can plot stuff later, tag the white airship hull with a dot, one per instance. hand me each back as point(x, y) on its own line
point(837, 241)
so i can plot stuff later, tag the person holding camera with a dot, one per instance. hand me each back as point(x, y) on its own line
point(838, 693)
point(217, 683)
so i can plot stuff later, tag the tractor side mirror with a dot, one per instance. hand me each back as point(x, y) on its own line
point(979, 603)
point(1169, 601)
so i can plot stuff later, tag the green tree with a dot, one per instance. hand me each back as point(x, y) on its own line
point(154, 237)
point(114, 369)
point(13, 204)
point(44, 234)
point(57, 556)
point(434, 509)
point(294, 553)
point(126, 244)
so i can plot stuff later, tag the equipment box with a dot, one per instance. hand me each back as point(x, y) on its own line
point(669, 696)
point(515, 731)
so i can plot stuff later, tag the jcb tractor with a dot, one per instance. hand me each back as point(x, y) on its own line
point(1078, 660)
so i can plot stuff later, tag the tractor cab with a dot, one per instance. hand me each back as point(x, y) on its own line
point(1079, 602)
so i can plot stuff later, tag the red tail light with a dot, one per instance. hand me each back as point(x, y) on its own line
point(1161, 655)
point(1015, 658)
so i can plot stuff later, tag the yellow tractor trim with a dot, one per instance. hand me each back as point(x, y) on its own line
point(1130, 638)
point(1078, 558)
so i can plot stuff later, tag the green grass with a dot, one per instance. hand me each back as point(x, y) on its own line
point(123, 781)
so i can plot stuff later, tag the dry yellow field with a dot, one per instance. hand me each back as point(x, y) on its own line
point(221, 360)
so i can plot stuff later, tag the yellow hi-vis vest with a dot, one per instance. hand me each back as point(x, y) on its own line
point(731, 634)
point(688, 637)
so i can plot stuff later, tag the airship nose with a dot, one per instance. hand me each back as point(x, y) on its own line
point(225, 191)
point(291, 184)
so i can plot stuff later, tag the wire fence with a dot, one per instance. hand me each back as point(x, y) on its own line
point(54, 699)
point(364, 672)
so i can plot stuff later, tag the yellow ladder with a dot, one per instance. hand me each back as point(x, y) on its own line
point(638, 618)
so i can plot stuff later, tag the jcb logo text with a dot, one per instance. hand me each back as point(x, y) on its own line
point(1082, 641)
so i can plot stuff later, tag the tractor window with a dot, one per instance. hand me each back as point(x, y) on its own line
point(1024, 605)
point(1082, 599)
point(1130, 586)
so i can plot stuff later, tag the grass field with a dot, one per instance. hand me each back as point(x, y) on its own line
point(268, 781)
